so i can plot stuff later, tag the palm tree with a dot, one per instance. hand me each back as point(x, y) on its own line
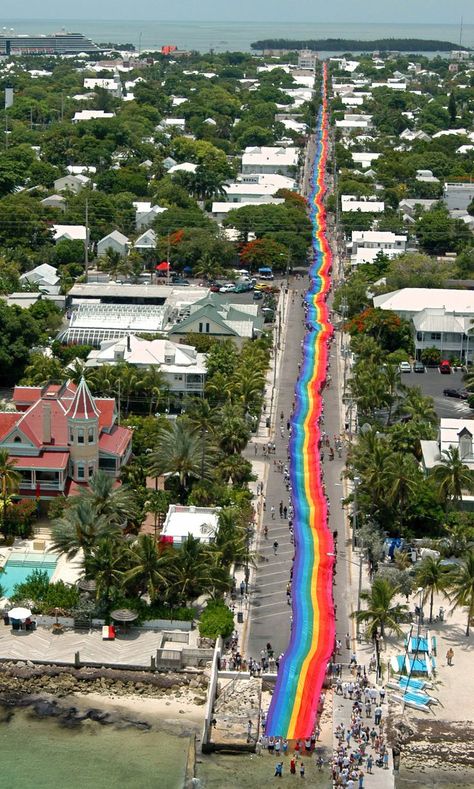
point(234, 431)
point(416, 405)
point(393, 385)
point(381, 613)
point(208, 268)
point(154, 386)
point(459, 538)
point(112, 262)
point(452, 476)
point(182, 452)
point(43, 370)
point(200, 415)
point(402, 474)
point(432, 576)
point(105, 564)
point(249, 385)
point(116, 503)
point(461, 583)
point(10, 481)
point(81, 528)
point(151, 570)
point(197, 571)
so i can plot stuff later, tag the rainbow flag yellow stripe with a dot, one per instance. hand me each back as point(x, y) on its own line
point(295, 701)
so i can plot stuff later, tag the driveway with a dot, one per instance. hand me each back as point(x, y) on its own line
point(432, 383)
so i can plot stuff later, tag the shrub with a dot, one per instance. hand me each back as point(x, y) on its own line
point(216, 620)
point(45, 596)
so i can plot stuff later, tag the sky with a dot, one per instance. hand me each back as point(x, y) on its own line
point(370, 11)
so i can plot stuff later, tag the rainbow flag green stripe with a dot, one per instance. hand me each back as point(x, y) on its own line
point(295, 701)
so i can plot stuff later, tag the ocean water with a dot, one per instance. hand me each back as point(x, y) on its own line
point(230, 36)
point(41, 754)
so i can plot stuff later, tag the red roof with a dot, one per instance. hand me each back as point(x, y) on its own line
point(46, 460)
point(7, 421)
point(83, 406)
point(115, 442)
point(106, 408)
point(30, 423)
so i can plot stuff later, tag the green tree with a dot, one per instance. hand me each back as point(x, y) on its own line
point(10, 481)
point(105, 565)
point(182, 452)
point(80, 528)
point(151, 571)
point(381, 613)
point(117, 504)
point(452, 107)
point(452, 477)
point(432, 575)
point(462, 587)
point(43, 370)
point(216, 620)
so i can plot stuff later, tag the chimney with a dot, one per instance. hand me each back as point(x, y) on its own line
point(128, 343)
point(46, 423)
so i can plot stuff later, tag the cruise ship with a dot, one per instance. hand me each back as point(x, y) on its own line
point(54, 44)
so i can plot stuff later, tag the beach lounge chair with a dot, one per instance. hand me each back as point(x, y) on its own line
point(414, 700)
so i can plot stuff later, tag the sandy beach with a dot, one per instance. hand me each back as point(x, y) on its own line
point(156, 711)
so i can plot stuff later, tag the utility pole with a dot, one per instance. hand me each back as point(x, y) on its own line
point(86, 242)
point(356, 482)
point(359, 588)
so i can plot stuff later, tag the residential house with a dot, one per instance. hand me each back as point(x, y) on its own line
point(55, 201)
point(452, 434)
point(71, 183)
point(367, 244)
point(267, 159)
point(181, 522)
point(458, 195)
point(184, 369)
point(45, 277)
point(426, 177)
point(230, 321)
point(146, 213)
point(146, 241)
point(91, 115)
point(69, 233)
point(251, 187)
point(115, 241)
point(367, 205)
point(365, 159)
point(442, 318)
point(60, 436)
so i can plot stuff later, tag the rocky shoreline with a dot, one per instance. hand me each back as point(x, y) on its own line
point(21, 680)
point(433, 750)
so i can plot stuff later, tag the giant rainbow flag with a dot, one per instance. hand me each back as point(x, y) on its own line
point(294, 704)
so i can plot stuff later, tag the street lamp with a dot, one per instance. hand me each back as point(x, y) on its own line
point(359, 588)
point(355, 483)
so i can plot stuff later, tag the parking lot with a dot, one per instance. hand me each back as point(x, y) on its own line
point(432, 383)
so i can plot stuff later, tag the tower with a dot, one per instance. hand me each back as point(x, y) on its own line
point(83, 434)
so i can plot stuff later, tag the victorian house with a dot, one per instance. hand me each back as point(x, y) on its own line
point(60, 436)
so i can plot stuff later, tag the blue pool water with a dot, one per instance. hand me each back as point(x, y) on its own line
point(18, 568)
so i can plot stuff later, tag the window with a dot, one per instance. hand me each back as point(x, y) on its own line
point(80, 472)
point(91, 437)
point(435, 335)
point(465, 444)
point(207, 328)
point(91, 471)
point(200, 328)
point(178, 378)
point(419, 336)
point(17, 440)
point(71, 437)
point(80, 436)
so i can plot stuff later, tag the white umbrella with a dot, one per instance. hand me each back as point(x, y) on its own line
point(19, 613)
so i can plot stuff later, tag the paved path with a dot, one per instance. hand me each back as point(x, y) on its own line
point(269, 610)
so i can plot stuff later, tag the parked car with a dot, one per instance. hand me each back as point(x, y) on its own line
point(460, 394)
point(179, 281)
point(418, 367)
point(404, 367)
point(229, 287)
point(243, 287)
point(445, 367)
point(257, 295)
point(215, 287)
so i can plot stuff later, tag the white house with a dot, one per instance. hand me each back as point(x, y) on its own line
point(71, 183)
point(115, 241)
point(452, 434)
point(147, 240)
point(266, 159)
point(426, 177)
point(146, 213)
point(367, 205)
point(184, 167)
point(442, 318)
point(55, 201)
point(81, 169)
point(458, 195)
point(253, 187)
point(365, 159)
point(91, 115)
point(44, 276)
point(69, 233)
point(183, 368)
point(201, 523)
point(112, 86)
point(179, 124)
point(366, 245)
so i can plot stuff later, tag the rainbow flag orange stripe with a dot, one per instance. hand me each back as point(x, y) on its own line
point(294, 704)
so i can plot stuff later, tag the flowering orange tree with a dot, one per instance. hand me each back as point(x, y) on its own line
point(390, 331)
point(264, 252)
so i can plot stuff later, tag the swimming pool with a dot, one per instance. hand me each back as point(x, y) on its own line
point(20, 565)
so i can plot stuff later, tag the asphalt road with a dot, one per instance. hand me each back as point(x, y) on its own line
point(432, 383)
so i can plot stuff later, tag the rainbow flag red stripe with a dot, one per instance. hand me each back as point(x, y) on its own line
point(295, 701)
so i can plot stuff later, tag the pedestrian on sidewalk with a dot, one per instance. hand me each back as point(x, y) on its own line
point(285, 512)
point(272, 510)
point(275, 547)
point(378, 715)
point(279, 770)
point(348, 641)
point(281, 509)
point(255, 447)
point(449, 656)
